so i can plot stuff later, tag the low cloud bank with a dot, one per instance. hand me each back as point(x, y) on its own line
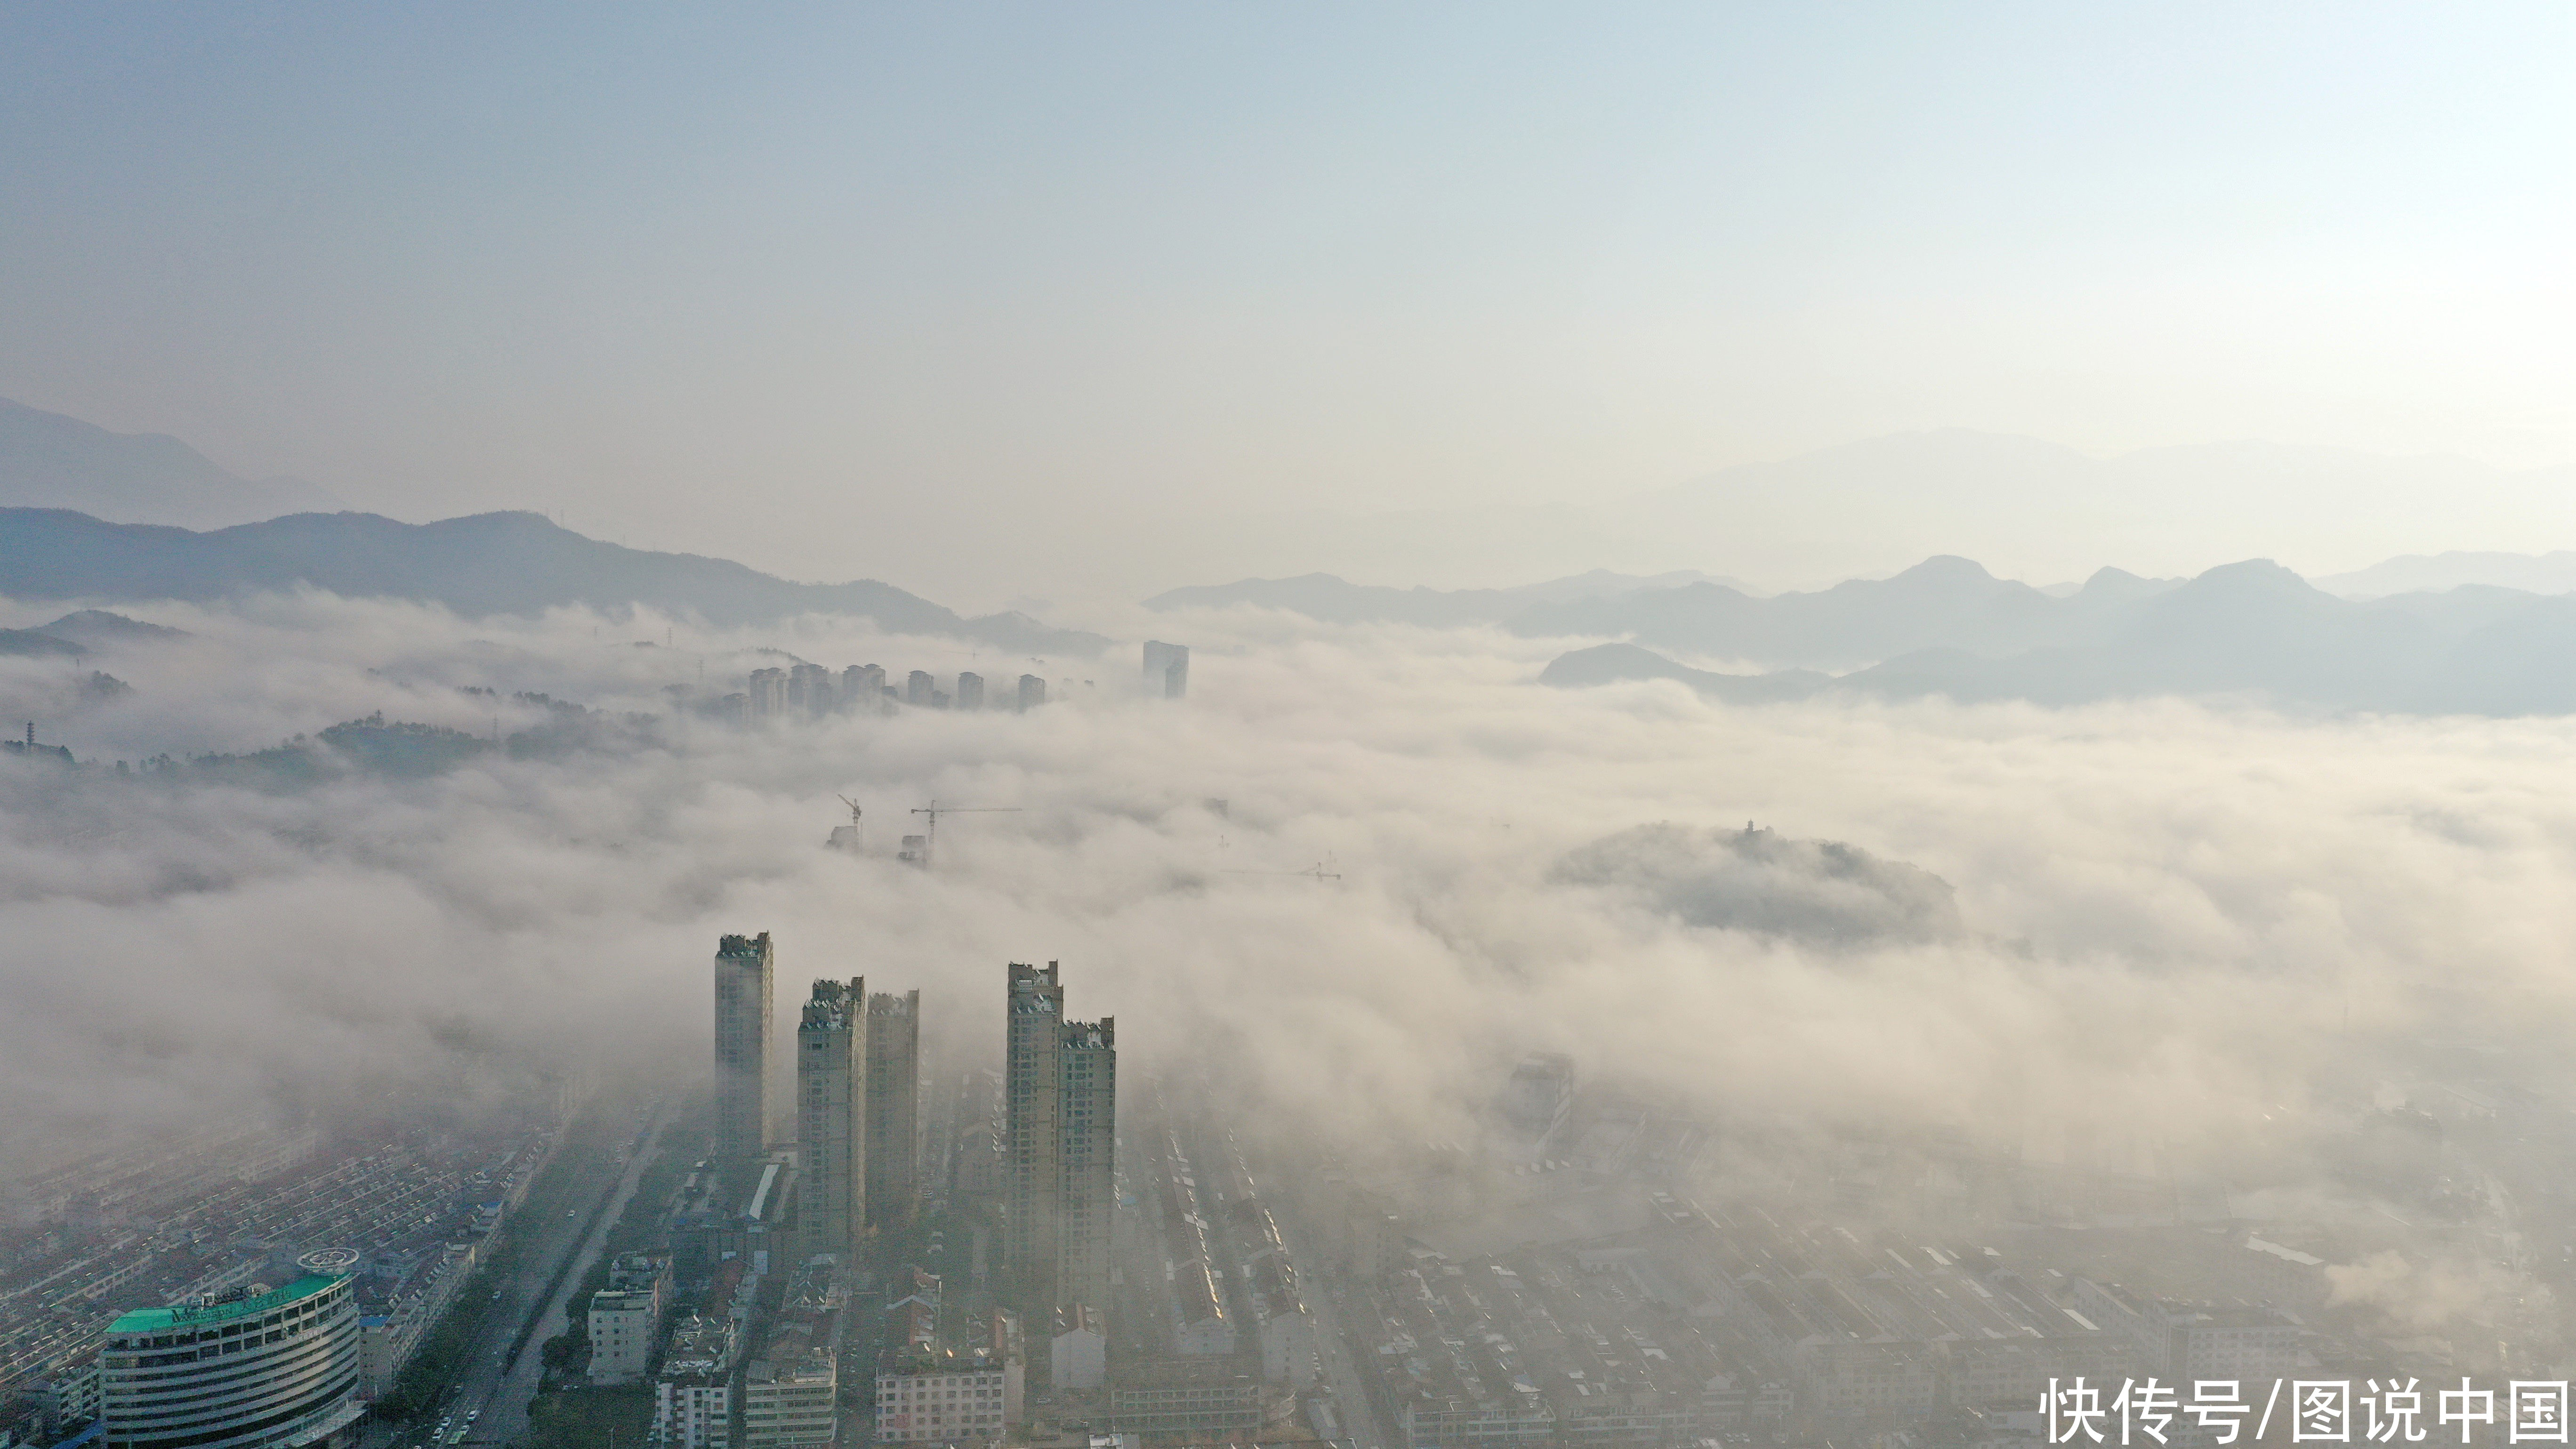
point(1819, 891)
point(2161, 931)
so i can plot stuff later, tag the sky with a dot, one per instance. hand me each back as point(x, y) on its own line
point(946, 292)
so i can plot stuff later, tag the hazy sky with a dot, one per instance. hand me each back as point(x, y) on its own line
point(830, 290)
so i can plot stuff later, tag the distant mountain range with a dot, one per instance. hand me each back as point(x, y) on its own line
point(2251, 630)
point(1334, 601)
point(48, 460)
point(2026, 507)
point(2543, 573)
point(1939, 602)
point(482, 565)
point(1944, 601)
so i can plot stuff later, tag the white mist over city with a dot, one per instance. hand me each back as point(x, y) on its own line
point(1463, 728)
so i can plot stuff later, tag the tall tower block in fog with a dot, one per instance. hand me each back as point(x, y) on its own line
point(832, 1063)
point(1167, 669)
point(894, 1106)
point(1087, 1063)
point(746, 975)
point(1033, 1124)
point(1060, 1095)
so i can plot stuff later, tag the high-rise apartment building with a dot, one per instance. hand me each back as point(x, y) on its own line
point(1032, 691)
point(746, 977)
point(894, 1106)
point(970, 691)
point(275, 1369)
point(1060, 1096)
point(768, 690)
point(863, 687)
point(1033, 1128)
point(832, 1118)
point(918, 687)
point(809, 689)
point(1087, 1064)
point(1167, 669)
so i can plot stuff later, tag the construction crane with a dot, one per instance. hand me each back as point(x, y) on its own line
point(1321, 871)
point(851, 837)
point(917, 848)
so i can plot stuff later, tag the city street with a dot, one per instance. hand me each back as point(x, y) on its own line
point(503, 1395)
point(1350, 1390)
point(495, 1393)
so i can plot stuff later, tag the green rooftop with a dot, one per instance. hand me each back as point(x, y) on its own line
point(156, 1320)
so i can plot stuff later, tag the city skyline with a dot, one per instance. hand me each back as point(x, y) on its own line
point(1684, 727)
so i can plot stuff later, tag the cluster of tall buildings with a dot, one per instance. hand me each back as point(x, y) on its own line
point(1060, 1136)
point(810, 691)
point(857, 1074)
point(857, 1084)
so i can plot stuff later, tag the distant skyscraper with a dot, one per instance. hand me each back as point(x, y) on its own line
point(768, 693)
point(1060, 1096)
point(1167, 669)
point(1539, 1094)
point(746, 976)
point(832, 1118)
point(970, 691)
point(809, 690)
point(277, 1369)
point(1032, 691)
point(863, 688)
point(918, 688)
point(894, 1106)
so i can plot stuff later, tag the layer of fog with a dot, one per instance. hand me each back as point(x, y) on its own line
point(2192, 924)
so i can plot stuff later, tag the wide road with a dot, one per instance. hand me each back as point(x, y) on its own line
point(505, 1413)
point(495, 1392)
point(1331, 1311)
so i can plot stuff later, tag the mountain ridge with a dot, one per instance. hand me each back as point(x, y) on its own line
point(2251, 630)
point(54, 460)
point(478, 565)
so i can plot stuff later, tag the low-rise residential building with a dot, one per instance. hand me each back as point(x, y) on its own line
point(789, 1395)
point(2188, 1341)
point(387, 1340)
point(1078, 1355)
point(791, 1391)
point(915, 1313)
point(693, 1399)
point(693, 1395)
point(69, 1396)
point(626, 1318)
point(935, 1396)
point(1194, 1399)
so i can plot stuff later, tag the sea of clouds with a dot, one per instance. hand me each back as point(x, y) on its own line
point(2182, 931)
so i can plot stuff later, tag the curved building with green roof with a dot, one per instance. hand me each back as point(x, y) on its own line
point(269, 1370)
